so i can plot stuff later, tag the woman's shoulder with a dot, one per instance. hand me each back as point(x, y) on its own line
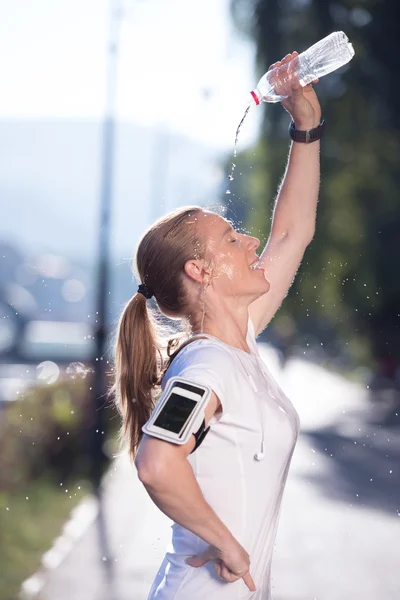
point(203, 353)
point(204, 349)
point(208, 362)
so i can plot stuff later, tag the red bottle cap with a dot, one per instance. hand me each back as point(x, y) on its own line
point(255, 97)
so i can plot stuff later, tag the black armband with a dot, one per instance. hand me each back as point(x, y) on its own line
point(200, 434)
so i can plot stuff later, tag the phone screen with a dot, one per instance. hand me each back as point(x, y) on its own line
point(175, 413)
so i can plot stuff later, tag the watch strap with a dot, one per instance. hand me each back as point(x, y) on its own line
point(307, 136)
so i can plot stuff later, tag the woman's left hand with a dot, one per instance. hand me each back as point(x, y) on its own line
point(302, 104)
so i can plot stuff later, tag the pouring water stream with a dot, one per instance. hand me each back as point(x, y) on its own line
point(230, 176)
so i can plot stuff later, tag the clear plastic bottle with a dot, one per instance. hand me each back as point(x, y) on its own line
point(327, 55)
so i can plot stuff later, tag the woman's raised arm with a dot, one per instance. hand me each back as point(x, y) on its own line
point(293, 222)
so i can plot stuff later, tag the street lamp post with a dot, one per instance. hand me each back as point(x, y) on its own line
point(99, 387)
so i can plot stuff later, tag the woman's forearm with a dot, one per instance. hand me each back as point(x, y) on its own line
point(296, 203)
point(178, 495)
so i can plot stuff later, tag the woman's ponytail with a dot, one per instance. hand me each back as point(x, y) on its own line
point(137, 368)
point(142, 346)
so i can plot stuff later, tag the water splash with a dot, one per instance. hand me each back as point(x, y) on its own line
point(227, 270)
point(230, 176)
point(77, 370)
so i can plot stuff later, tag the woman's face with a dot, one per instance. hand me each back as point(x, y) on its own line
point(232, 255)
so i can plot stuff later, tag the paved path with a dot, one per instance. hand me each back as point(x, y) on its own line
point(339, 530)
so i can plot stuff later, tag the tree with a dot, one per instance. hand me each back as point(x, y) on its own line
point(347, 292)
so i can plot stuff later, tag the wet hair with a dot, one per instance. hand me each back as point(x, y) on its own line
point(144, 342)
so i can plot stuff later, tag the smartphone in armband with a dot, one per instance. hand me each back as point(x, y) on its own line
point(179, 411)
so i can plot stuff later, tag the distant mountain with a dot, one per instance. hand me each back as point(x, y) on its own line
point(50, 184)
point(49, 203)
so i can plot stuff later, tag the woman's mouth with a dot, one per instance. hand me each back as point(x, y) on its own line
point(256, 267)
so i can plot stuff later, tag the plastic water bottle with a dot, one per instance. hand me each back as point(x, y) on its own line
point(327, 55)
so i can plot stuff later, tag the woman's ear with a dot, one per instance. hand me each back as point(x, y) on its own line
point(195, 270)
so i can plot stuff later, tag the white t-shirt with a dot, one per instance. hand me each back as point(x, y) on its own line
point(244, 492)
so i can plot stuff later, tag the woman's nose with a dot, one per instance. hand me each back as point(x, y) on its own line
point(254, 243)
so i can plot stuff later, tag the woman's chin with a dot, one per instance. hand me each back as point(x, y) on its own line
point(265, 287)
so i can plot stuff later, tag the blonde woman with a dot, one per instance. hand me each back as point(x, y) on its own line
point(223, 488)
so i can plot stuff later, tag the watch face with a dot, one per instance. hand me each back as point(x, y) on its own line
point(175, 413)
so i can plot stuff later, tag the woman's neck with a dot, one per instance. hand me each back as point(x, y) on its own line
point(232, 331)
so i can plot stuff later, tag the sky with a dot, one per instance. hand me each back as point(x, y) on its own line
point(182, 65)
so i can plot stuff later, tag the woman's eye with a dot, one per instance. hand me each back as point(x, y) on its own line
point(234, 240)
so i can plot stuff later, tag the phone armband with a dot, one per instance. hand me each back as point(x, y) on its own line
point(179, 412)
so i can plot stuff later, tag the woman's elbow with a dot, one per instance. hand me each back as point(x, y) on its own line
point(145, 475)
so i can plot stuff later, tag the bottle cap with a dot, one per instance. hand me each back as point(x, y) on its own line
point(255, 97)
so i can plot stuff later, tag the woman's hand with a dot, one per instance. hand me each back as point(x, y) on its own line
point(230, 563)
point(302, 104)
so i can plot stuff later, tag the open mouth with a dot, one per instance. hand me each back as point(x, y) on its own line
point(255, 266)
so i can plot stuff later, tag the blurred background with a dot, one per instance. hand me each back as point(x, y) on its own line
point(112, 113)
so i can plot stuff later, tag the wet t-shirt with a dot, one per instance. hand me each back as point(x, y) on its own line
point(245, 493)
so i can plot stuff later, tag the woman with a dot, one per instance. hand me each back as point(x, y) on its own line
point(224, 498)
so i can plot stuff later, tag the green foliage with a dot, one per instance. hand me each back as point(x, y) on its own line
point(44, 432)
point(346, 288)
point(48, 433)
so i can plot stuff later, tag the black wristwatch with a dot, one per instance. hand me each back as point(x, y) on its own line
point(307, 136)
